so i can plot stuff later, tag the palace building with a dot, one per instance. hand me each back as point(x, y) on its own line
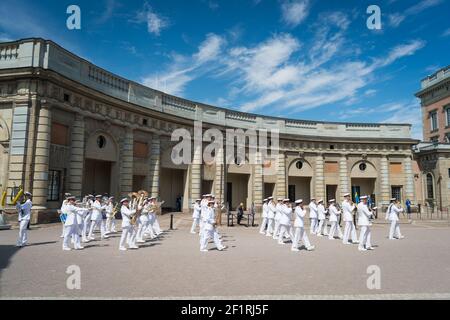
point(67, 125)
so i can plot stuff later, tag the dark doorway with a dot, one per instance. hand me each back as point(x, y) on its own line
point(331, 191)
point(229, 194)
point(291, 192)
point(97, 177)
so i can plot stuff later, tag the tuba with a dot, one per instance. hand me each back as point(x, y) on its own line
point(136, 204)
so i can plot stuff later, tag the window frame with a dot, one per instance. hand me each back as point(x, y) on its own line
point(53, 191)
point(433, 115)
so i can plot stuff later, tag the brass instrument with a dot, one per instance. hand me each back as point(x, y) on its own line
point(18, 196)
point(3, 200)
point(137, 200)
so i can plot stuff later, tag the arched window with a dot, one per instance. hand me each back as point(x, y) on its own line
point(430, 186)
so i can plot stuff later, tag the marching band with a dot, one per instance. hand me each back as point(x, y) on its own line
point(139, 220)
point(350, 212)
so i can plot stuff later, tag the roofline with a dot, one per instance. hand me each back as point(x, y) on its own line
point(198, 102)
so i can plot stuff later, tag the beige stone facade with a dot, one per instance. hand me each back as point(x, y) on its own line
point(67, 125)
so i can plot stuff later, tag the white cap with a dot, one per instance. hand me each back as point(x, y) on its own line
point(269, 198)
point(98, 196)
point(313, 198)
point(211, 201)
point(284, 200)
point(110, 198)
point(393, 199)
point(71, 198)
point(279, 199)
point(299, 201)
point(124, 199)
point(264, 200)
point(332, 200)
point(28, 194)
point(198, 199)
point(321, 200)
point(363, 197)
point(347, 195)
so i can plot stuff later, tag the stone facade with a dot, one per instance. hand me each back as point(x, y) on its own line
point(67, 125)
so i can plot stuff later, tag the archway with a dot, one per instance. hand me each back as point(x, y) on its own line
point(363, 178)
point(300, 175)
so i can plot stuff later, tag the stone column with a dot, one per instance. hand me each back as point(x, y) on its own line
point(41, 158)
point(409, 179)
point(196, 171)
point(258, 182)
point(344, 176)
point(219, 179)
point(384, 180)
point(319, 179)
point(126, 170)
point(281, 175)
point(76, 157)
point(154, 165)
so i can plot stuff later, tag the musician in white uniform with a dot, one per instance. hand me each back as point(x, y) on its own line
point(285, 221)
point(270, 216)
point(209, 224)
point(348, 208)
point(24, 218)
point(143, 220)
point(87, 217)
point(363, 221)
point(96, 219)
point(110, 216)
point(203, 212)
point(265, 210)
point(299, 228)
point(153, 226)
point(321, 215)
point(392, 214)
point(63, 214)
point(334, 218)
point(71, 226)
point(313, 216)
point(127, 214)
point(277, 218)
point(196, 215)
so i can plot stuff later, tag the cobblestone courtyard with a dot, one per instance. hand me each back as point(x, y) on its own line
point(253, 266)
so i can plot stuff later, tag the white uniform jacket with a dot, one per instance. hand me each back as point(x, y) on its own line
point(394, 212)
point(73, 214)
point(299, 215)
point(272, 210)
point(363, 215)
point(334, 212)
point(127, 213)
point(277, 212)
point(312, 210)
point(209, 219)
point(24, 210)
point(347, 208)
point(286, 215)
point(197, 209)
point(265, 210)
point(97, 209)
point(109, 209)
point(321, 211)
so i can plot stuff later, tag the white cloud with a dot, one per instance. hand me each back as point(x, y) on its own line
point(294, 12)
point(400, 51)
point(410, 113)
point(395, 19)
point(446, 33)
point(155, 22)
point(209, 49)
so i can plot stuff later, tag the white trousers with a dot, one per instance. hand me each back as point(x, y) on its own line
point(283, 230)
point(156, 226)
point(110, 224)
point(276, 230)
point(300, 234)
point(195, 223)
point(335, 227)
point(270, 223)
point(62, 231)
point(313, 227)
point(132, 234)
point(350, 230)
point(23, 233)
point(263, 225)
point(97, 224)
point(71, 232)
point(142, 227)
point(86, 225)
point(364, 237)
point(210, 234)
point(123, 238)
point(322, 225)
point(394, 231)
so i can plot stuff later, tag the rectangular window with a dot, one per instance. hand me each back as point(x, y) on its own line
point(54, 184)
point(433, 120)
point(395, 168)
point(140, 149)
point(60, 134)
point(331, 167)
point(396, 192)
point(447, 112)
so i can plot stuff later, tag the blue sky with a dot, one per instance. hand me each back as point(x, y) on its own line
point(303, 59)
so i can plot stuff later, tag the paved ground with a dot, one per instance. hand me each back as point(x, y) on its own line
point(253, 266)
